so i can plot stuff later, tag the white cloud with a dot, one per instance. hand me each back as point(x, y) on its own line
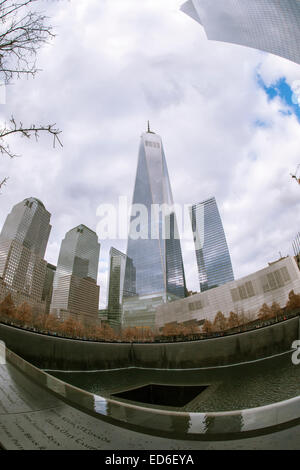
point(116, 64)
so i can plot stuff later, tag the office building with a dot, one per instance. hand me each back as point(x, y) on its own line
point(75, 289)
point(154, 269)
point(269, 25)
point(213, 258)
point(48, 286)
point(117, 264)
point(296, 248)
point(23, 241)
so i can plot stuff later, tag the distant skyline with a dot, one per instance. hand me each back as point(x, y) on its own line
point(225, 112)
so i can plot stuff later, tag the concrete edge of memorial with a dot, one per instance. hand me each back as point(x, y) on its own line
point(184, 425)
point(54, 353)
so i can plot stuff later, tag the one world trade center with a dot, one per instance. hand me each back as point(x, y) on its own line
point(154, 271)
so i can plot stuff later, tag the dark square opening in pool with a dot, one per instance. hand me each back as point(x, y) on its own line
point(164, 395)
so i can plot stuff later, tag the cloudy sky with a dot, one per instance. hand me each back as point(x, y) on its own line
point(224, 112)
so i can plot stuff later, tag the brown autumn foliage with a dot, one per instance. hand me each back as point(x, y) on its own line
point(193, 330)
point(52, 323)
point(92, 333)
point(245, 318)
point(220, 322)
point(293, 302)
point(127, 334)
point(147, 334)
point(179, 329)
point(207, 326)
point(139, 334)
point(276, 310)
point(24, 314)
point(7, 307)
point(109, 333)
point(39, 321)
point(265, 312)
point(102, 333)
point(169, 330)
point(233, 320)
point(78, 329)
point(69, 327)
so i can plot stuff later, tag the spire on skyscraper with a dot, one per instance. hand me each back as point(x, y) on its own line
point(149, 131)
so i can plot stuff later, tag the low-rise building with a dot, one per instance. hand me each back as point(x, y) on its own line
point(245, 295)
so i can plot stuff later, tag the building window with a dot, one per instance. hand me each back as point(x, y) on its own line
point(148, 143)
point(242, 292)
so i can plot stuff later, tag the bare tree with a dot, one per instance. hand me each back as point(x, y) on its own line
point(23, 30)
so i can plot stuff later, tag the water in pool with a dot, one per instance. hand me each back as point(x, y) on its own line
point(220, 389)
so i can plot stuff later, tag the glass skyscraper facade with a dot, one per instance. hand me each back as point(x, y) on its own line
point(48, 286)
point(29, 224)
point(117, 265)
point(296, 248)
point(23, 242)
point(296, 245)
point(269, 25)
point(213, 258)
point(154, 269)
point(75, 289)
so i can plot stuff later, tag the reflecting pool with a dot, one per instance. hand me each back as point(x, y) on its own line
point(226, 388)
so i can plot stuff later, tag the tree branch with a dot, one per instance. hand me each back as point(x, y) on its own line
point(27, 132)
point(22, 33)
point(3, 182)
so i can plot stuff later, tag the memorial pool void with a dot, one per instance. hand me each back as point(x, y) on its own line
point(246, 396)
point(40, 411)
point(229, 388)
point(163, 395)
